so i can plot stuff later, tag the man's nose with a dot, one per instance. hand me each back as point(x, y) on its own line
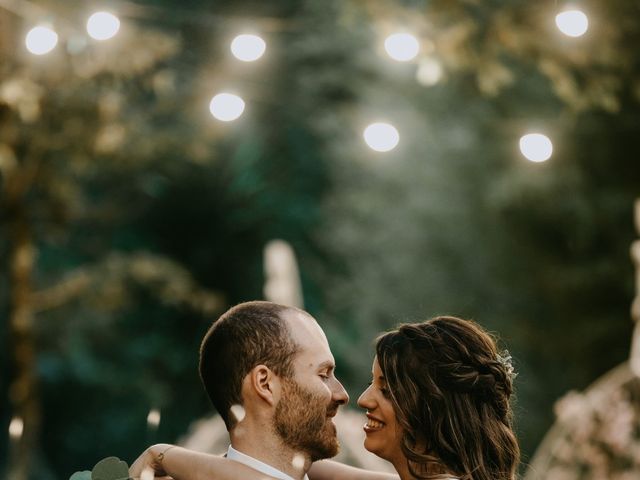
point(340, 395)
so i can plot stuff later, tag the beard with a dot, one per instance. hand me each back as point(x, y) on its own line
point(302, 422)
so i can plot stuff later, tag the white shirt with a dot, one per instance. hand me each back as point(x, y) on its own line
point(235, 455)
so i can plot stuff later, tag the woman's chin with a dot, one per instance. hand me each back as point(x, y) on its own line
point(374, 448)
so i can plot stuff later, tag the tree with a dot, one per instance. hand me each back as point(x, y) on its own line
point(456, 222)
point(118, 157)
point(78, 160)
point(134, 199)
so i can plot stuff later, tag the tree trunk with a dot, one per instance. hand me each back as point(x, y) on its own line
point(23, 391)
point(635, 306)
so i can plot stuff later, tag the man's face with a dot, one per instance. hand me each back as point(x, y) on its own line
point(309, 401)
point(303, 421)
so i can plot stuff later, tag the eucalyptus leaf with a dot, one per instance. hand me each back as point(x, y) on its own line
point(110, 468)
point(84, 475)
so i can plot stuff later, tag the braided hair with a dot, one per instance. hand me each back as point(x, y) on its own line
point(450, 388)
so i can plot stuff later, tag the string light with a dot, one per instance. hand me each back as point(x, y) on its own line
point(226, 107)
point(41, 40)
point(402, 46)
point(536, 147)
point(153, 419)
point(16, 427)
point(103, 26)
point(429, 72)
point(248, 48)
point(381, 137)
point(573, 23)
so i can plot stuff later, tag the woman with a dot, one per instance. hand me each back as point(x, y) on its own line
point(437, 408)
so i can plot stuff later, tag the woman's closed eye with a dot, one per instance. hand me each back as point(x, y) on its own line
point(382, 388)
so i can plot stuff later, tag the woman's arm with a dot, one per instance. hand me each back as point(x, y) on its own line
point(182, 464)
point(330, 470)
point(179, 463)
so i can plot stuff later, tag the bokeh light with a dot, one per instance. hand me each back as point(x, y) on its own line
point(298, 461)
point(429, 72)
point(573, 23)
point(381, 137)
point(103, 25)
point(153, 419)
point(147, 474)
point(16, 427)
point(536, 147)
point(248, 48)
point(402, 46)
point(226, 107)
point(41, 40)
point(238, 412)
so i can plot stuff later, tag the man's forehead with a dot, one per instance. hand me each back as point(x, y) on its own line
point(301, 324)
point(308, 335)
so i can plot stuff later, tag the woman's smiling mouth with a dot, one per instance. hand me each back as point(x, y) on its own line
point(373, 424)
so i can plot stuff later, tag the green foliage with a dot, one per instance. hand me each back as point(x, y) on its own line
point(85, 475)
point(149, 218)
point(454, 221)
point(110, 468)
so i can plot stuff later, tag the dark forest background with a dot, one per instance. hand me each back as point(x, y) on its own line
point(130, 218)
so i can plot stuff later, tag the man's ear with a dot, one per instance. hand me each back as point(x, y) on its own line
point(265, 384)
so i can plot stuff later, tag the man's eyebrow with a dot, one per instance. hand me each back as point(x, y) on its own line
point(327, 365)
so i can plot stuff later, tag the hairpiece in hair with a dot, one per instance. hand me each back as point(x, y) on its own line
point(504, 357)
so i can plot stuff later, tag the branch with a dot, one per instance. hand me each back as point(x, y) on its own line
point(107, 284)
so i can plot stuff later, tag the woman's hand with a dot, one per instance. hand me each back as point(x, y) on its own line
point(151, 461)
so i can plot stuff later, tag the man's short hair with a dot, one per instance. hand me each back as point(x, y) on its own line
point(247, 335)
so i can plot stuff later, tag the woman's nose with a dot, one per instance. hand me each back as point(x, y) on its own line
point(366, 399)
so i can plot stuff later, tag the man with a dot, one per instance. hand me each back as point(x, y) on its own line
point(269, 372)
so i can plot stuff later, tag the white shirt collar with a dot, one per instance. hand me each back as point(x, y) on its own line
point(245, 459)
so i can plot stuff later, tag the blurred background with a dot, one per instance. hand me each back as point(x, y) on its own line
point(412, 158)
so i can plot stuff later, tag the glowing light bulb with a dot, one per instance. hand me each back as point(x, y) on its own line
point(536, 147)
point(402, 46)
point(153, 419)
point(381, 137)
point(226, 107)
point(41, 40)
point(572, 23)
point(248, 48)
point(16, 427)
point(103, 26)
point(429, 72)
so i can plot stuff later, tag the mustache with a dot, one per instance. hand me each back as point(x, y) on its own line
point(332, 409)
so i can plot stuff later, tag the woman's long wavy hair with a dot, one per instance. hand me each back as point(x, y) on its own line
point(450, 389)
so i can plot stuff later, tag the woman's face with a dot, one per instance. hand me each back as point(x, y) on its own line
point(383, 433)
